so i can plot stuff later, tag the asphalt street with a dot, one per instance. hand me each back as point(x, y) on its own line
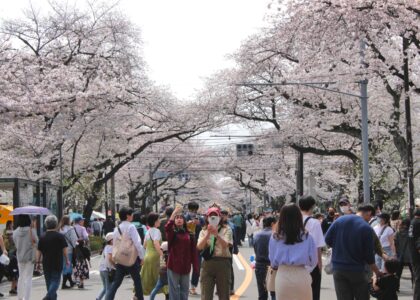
point(245, 284)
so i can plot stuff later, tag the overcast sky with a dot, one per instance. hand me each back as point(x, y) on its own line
point(184, 40)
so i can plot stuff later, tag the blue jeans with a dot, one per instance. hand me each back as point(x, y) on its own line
point(379, 261)
point(178, 285)
point(158, 286)
point(105, 281)
point(120, 273)
point(52, 279)
point(68, 269)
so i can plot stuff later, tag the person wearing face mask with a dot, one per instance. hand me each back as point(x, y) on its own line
point(214, 242)
point(345, 206)
point(326, 223)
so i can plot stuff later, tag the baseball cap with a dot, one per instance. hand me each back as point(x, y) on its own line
point(78, 219)
point(213, 210)
point(344, 200)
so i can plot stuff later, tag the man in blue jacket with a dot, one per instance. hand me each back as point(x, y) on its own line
point(353, 249)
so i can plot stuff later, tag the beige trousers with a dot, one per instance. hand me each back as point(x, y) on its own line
point(293, 283)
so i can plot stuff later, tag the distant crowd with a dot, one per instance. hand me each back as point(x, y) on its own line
point(174, 252)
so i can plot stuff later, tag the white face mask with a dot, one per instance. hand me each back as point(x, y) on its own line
point(345, 209)
point(214, 220)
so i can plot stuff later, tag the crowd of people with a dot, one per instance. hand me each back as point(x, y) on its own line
point(174, 254)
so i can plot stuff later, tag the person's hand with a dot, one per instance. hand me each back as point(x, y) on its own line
point(5, 252)
point(212, 230)
point(67, 263)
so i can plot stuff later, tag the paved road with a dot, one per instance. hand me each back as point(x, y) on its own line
point(93, 285)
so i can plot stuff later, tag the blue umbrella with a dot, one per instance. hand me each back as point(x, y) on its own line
point(30, 210)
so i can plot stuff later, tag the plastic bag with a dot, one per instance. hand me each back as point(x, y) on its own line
point(328, 264)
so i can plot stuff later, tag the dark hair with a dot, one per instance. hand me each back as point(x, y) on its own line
point(193, 206)
point(306, 203)
point(395, 215)
point(290, 226)
point(9, 223)
point(367, 208)
point(268, 222)
point(392, 266)
point(318, 215)
point(250, 217)
point(152, 218)
point(378, 204)
point(169, 211)
point(23, 221)
point(125, 212)
point(386, 217)
point(224, 212)
point(406, 222)
point(143, 219)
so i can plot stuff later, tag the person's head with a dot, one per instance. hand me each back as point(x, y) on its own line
point(51, 222)
point(345, 206)
point(109, 238)
point(213, 216)
point(126, 214)
point(366, 212)
point(290, 225)
point(168, 212)
point(79, 220)
point(65, 221)
point(250, 217)
point(395, 215)
point(23, 221)
point(307, 203)
point(180, 221)
point(143, 219)
point(153, 220)
point(224, 215)
point(384, 219)
point(319, 217)
point(9, 224)
point(269, 222)
point(378, 206)
point(392, 266)
point(331, 212)
point(193, 207)
point(404, 225)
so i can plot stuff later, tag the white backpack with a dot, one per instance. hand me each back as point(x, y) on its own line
point(123, 251)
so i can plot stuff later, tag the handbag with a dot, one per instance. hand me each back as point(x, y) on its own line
point(82, 250)
point(270, 279)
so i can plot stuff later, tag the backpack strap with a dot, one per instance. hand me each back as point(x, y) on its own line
point(306, 221)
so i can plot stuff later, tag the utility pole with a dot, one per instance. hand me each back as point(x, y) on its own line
point(156, 195)
point(365, 134)
point(409, 137)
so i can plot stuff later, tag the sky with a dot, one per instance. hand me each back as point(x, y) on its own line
point(185, 41)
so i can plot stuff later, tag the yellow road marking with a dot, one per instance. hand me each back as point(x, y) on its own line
point(247, 281)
